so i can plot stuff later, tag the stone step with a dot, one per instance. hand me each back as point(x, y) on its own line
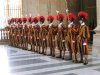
point(4, 42)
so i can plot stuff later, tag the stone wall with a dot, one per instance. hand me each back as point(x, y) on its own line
point(42, 7)
point(73, 6)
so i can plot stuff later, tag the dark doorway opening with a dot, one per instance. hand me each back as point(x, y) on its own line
point(90, 7)
point(85, 5)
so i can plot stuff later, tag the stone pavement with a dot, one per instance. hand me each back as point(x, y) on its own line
point(14, 61)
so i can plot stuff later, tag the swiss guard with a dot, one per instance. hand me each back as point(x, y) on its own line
point(83, 37)
point(37, 36)
point(72, 36)
point(44, 33)
point(20, 31)
point(51, 34)
point(25, 33)
point(24, 20)
point(8, 27)
point(60, 18)
point(30, 24)
point(35, 23)
point(13, 32)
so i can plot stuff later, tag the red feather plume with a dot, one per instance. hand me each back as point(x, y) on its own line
point(84, 14)
point(16, 19)
point(20, 19)
point(41, 17)
point(24, 19)
point(70, 16)
point(50, 17)
point(29, 18)
point(59, 15)
point(35, 18)
point(12, 19)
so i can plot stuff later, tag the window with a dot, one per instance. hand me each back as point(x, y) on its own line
point(9, 9)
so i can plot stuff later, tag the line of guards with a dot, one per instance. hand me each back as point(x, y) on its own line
point(53, 38)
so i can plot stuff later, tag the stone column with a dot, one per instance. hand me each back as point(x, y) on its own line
point(96, 42)
point(98, 15)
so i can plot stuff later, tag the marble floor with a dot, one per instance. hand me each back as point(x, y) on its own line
point(14, 61)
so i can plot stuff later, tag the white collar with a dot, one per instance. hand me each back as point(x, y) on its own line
point(50, 25)
point(69, 25)
point(35, 24)
point(82, 24)
point(59, 25)
point(31, 25)
point(41, 24)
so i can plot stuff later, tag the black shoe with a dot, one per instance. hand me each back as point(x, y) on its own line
point(49, 55)
point(63, 58)
point(30, 50)
point(69, 59)
point(85, 63)
point(58, 57)
point(75, 61)
point(38, 52)
point(44, 54)
point(53, 55)
point(81, 61)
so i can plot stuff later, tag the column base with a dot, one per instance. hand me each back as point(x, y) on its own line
point(96, 44)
